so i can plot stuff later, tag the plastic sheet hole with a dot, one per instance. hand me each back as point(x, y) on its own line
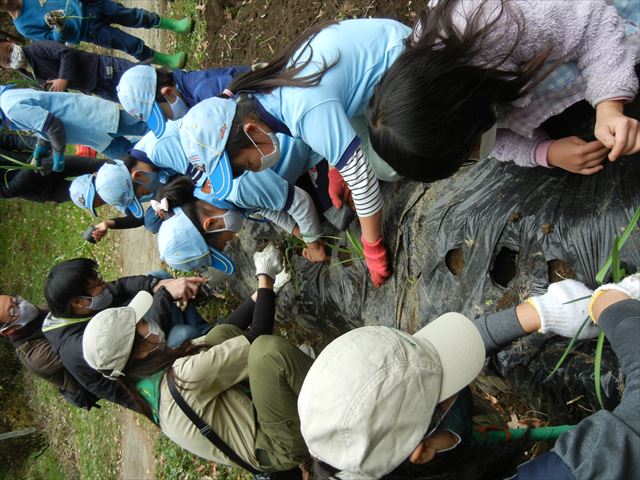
point(504, 267)
point(559, 270)
point(454, 260)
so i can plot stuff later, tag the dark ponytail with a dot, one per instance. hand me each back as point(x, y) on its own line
point(179, 193)
point(432, 106)
point(277, 73)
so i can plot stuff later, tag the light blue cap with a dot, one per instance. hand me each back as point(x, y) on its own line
point(137, 94)
point(115, 187)
point(181, 246)
point(82, 191)
point(204, 133)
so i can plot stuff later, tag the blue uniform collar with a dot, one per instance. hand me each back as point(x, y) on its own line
point(272, 122)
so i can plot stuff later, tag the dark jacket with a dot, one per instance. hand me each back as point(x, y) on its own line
point(36, 355)
point(67, 342)
point(51, 60)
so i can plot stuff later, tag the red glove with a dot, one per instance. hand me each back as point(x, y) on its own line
point(338, 189)
point(375, 255)
point(84, 151)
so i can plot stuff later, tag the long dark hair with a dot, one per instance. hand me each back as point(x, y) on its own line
point(277, 73)
point(137, 369)
point(432, 106)
point(464, 462)
point(179, 193)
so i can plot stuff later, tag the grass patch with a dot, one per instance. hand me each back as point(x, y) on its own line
point(34, 238)
point(195, 44)
point(87, 444)
point(175, 462)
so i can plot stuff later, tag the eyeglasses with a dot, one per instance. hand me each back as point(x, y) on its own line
point(13, 314)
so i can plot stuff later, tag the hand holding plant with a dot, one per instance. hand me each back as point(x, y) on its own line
point(563, 309)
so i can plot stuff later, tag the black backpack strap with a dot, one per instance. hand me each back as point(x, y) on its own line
point(205, 429)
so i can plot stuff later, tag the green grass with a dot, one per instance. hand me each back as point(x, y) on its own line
point(175, 462)
point(87, 444)
point(194, 44)
point(34, 238)
point(37, 236)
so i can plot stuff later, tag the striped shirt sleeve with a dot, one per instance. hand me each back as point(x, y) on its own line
point(365, 190)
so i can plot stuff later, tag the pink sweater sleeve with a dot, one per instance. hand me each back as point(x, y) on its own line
point(525, 152)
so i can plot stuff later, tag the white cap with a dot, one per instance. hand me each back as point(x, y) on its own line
point(108, 337)
point(368, 399)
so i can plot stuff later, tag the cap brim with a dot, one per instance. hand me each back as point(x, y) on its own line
point(136, 208)
point(488, 141)
point(221, 262)
point(156, 122)
point(460, 348)
point(141, 303)
point(222, 178)
point(91, 195)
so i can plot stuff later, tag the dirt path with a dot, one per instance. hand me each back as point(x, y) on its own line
point(138, 255)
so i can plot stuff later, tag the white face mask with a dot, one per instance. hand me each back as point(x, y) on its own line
point(179, 108)
point(27, 313)
point(269, 160)
point(18, 58)
point(160, 340)
point(232, 220)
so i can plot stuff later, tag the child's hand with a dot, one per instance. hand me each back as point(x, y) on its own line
point(315, 252)
point(375, 256)
point(100, 231)
point(575, 155)
point(339, 190)
point(619, 133)
point(57, 85)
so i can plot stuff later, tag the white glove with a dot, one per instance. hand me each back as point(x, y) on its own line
point(268, 262)
point(282, 279)
point(629, 286)
point(558, 316)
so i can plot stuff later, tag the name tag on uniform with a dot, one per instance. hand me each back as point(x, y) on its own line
point(109, 71)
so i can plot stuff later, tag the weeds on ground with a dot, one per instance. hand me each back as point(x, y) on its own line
point(195, 44)
point(617, 274)
point(87, 444)
point(175, 462)
point(34, 238)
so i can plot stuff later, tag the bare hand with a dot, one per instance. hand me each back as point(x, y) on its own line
point(101, 230)
point(575, 155)
point(315, 252)
point(182, 288)
point(57, 85)
point(617, 132)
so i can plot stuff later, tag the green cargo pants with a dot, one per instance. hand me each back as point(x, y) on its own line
point(277, 370)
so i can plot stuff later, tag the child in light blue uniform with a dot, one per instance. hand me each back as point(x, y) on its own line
point(75, 21)
point(345, 62)
point(158, 95)
point(271, 193)
point(61, 118)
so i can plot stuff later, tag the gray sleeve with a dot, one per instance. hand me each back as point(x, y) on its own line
point(607, 444)
point(282, 219)
point(304, 214)
point(499, 329)
point(621, 324)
